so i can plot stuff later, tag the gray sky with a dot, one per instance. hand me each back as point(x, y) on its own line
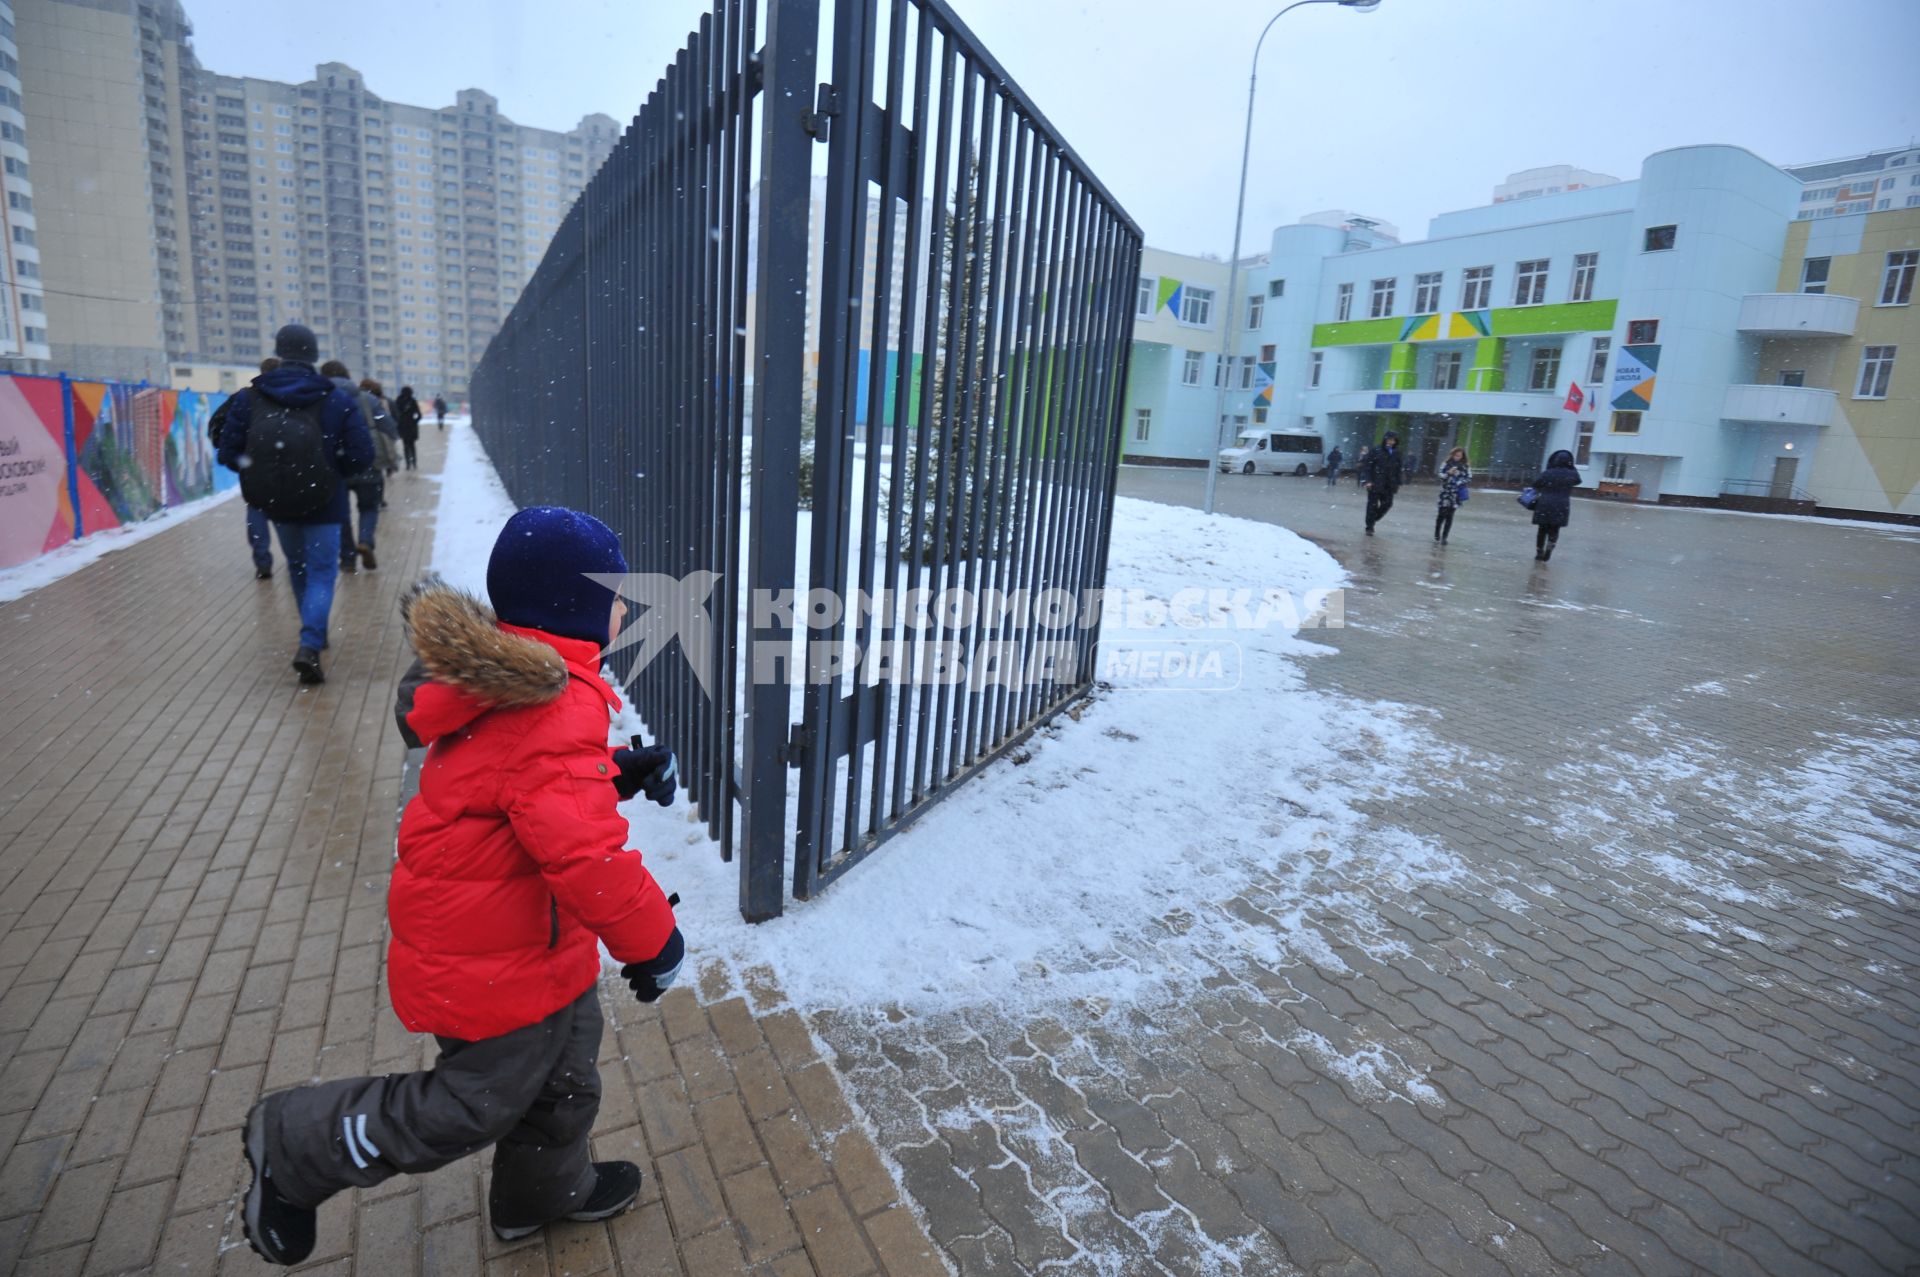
point(1415, 109)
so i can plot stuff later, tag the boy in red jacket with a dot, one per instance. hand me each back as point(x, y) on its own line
point(512, 867)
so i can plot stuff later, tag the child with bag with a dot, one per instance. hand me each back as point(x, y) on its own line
point(1455, 474)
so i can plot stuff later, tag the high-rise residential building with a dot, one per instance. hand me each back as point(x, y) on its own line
point(184, 215)
point(1876, 182)
point(1553, 179)
point(23, 309)
point(1687, 334)
point(101, 87)
point(401, 234)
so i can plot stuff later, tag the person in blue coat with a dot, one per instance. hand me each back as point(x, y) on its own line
point(310, 540)
point(1554, 504)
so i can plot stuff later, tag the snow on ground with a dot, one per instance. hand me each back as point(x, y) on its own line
point(71, 557)
point(473, 508)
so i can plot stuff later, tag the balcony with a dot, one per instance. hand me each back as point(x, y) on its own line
point(1798, 314)
point(1779, 405)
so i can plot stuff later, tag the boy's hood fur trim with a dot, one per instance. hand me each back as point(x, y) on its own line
point(460, 643)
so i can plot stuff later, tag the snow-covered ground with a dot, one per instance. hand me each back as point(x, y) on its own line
point(71, 557)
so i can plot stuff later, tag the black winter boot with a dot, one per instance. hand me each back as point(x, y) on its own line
point(616, 1189)
point(278, 1231)
point(307, 661)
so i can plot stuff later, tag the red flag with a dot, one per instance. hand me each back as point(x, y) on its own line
point(1575, 399)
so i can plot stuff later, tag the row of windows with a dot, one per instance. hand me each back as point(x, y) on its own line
point(1476, 287)
point(1896, 276)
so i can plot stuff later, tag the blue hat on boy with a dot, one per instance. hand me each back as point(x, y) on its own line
point(537, 575)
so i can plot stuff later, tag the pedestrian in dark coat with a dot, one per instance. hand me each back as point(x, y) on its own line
point(512, 871)
point(1554, 503)
point(1360, 466)
point(259, 528)
point(406, 415)
point(1334, 459)
point(1380, 474)
point(1455, 474)
point(440, 411)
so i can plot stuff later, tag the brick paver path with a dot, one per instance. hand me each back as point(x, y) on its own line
point(1643, 1002)
point(193, 861)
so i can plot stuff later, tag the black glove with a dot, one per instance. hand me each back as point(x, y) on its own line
point(656, 975)
point(651, 769)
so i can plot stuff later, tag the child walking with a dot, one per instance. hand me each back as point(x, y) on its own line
point(512, 869)
point(1455, 474)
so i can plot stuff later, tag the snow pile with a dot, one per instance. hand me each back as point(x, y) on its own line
point(473, 508)
point(70, 558)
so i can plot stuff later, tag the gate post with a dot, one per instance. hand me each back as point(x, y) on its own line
point(780, 326)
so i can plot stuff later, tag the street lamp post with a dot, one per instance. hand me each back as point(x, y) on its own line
point(1223, 372)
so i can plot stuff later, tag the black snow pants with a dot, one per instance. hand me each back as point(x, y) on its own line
point(532, 1094)
point(1378, 503)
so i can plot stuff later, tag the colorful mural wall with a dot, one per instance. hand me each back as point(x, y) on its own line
point(78, 457)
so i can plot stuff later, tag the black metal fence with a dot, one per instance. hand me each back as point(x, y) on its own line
point(955, 311)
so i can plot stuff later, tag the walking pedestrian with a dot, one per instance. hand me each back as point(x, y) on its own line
point(1333, 466)
point(1360, 466)
point(406, 416)
point(1381, 477)
point(293, 439)
point(259, 527)
point(512, 871)
point(1455, 474)
point(369, 483)
point(440, 411)
point(1553, 502)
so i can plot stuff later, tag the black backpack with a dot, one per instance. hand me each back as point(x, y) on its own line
point(286, 471)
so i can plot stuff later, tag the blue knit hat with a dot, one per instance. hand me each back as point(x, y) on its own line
point(537, 576)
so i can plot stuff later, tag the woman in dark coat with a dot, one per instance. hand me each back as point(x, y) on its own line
point(406, 415)
point(1455, 475)
point(1555, 503)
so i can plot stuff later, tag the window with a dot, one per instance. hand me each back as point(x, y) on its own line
point(1343, 304)
point(1813, 274)
point(1382, 293)
point(1660, 238)
point(1190, 368)
point(1617, 461)
point(1196, 306)
point(1896, 285)
point(1793, 376)
point(1446, 371)
point(1260, 414)
point(1876, 370)
point(1246, 372)
point(1642, 332)
point(1276, 288)
point(1477, 289)
point(1269, 353)
point(1143, 301)
point(1426, 293)
point(1597, 361)
point(1142, 424)
point(1256, 310)
point(1626, 423)
point(1583, 446)
point(1530, 282)
point(1313, 369)
point(1585, 267)
point(1546, 368)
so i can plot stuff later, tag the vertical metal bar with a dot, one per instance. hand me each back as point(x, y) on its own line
point(780, 326)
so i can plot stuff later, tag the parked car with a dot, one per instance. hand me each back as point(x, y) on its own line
point(1274, 452)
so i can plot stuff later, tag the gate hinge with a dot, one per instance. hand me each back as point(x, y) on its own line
point(799, 741)
point(818, 122)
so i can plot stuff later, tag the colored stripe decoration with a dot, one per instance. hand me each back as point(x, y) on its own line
point(1169, 295)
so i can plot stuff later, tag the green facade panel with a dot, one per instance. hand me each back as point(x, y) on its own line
point(1514, 321)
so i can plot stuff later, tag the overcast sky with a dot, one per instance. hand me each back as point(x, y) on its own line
point(1414, 109)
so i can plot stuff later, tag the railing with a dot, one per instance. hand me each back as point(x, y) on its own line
point(1764, 488)
point(991, 398)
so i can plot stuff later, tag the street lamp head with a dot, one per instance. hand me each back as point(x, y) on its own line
point(1361, 6)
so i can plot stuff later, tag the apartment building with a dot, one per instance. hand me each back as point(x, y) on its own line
point(1872, 183)
point(23, 310)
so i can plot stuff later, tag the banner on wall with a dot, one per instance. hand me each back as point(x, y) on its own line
point(78, 457)
point(1634, 372)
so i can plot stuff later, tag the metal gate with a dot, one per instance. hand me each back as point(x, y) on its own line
point(954, 309)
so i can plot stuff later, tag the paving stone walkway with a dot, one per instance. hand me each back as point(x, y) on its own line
point(1617, 972)
point(193, 862)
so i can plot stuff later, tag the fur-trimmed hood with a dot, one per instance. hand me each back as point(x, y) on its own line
point(470, 663)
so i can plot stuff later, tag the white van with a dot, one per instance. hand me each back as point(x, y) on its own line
point(1263, 451)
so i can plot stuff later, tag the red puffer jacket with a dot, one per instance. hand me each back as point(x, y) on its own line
point(512, 857)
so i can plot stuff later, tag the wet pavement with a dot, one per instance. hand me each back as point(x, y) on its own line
point(1615, 972)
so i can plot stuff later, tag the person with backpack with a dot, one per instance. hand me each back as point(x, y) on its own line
point(512, 872)
point(369, 484)
point(406, 415)
point(1553, 502)
point(1380, 475)
point(1455, 474)
point(259, 529)
point(292, 439)
point(440, 411)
